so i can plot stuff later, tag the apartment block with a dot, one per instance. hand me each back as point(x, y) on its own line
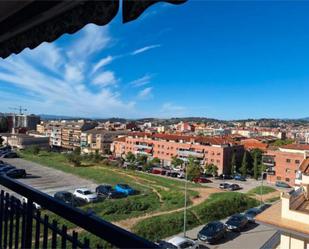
point(16, 121)
point(99, 140)
point(209, 150)
point(283, 164)
point(71, 133)
point(290, 216)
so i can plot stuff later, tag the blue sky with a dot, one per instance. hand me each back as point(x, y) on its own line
point(215, 59)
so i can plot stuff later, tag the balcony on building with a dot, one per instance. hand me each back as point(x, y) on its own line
point(187, 153)
point(268, 160)
point(143, 146)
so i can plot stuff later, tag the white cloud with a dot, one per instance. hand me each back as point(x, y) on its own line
point(74, 73)
point(144, 49)
point(145, 93)
point(94, 38)
point(104, 79)
point(171, 110)
point(64, 90)
point(102, 63)
point(141, 81)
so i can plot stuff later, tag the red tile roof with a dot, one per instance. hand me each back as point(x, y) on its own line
point(296, 146)
point(215, 140)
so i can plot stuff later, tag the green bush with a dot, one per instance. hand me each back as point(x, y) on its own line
point(217, 207)
point(33, 149)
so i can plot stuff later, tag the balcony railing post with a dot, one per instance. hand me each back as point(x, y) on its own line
point(29, 217)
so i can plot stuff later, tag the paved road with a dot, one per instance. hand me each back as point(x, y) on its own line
point(253, 237)
point(49, 180)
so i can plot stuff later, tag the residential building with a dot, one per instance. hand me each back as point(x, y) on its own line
point(23, 141)
point(290, 216)
point(16, 121)
point(209, 150)
point(261, 143)
point(118, 147)
point(71, 133)
point(99, 140)
point(283, 164)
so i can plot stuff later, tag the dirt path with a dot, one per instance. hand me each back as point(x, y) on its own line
point(204, 193)
point(267, 196)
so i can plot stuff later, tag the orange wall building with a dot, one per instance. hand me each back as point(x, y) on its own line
point(284, 163)
point(209, 150)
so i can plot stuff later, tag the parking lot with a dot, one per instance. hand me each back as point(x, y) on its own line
point(48, 180)
point(253, 237)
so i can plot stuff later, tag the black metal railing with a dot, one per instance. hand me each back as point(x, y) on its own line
point(23, 226)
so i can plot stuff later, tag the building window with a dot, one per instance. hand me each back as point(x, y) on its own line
point(218, 161)
point(288, 160)
point(212, 160)
point(172, 148)
point(218, 154)
point(297, 161)
point(278, 178)
point(287, 170)
point(287, 179)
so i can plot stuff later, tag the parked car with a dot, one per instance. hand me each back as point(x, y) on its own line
point(10, 154)
point(124, 188)
point(282, 184)
point(239, 178)
point(263, 207)
point(236, 222)
point(85, 194)
point(108, 192)
point(165, 245)
point(234, 187)
point(172, 173)
point(6, 168)
point(224, 177)
point(212, 232)
point(66, 197)
point(224, 185)
point(183, 243)
point(25, 200)
point(16, 173)
point(251, 213)
point(201, 179)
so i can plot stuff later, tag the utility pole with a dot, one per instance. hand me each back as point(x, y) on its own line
point(185, 206)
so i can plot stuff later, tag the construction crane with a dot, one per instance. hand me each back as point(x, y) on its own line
point(20, 109)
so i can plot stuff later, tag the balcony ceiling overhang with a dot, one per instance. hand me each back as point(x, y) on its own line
point(28, 23)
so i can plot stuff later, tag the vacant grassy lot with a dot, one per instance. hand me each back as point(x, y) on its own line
point(157, 195)
point(261, 190)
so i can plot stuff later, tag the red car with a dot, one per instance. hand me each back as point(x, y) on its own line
point(201, 179)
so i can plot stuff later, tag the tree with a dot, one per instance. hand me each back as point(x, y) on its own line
point(97, 156)
point(74, 159)
point(176, 161)
point(141, 159)
point(211, 169)
point(130, 157)
point(193, 169)
point(233, 164)
point(255, 168)
point(77, 151)
point(34, 149)
point(244, 165)
point(155, 161)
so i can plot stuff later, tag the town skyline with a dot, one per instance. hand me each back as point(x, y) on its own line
point(136, 70)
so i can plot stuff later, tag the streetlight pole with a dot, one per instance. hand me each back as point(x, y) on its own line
point(185, 206)
point(261, 188)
